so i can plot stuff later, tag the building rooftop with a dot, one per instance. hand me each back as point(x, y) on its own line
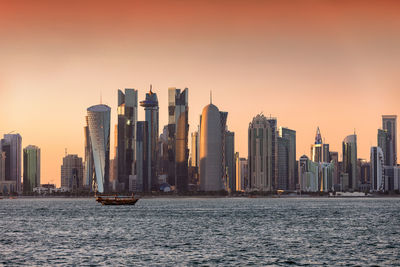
point(99, 108)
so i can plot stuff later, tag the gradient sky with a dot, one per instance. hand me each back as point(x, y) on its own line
point(333, 64)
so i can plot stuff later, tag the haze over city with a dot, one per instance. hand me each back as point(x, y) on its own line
point(331, 64)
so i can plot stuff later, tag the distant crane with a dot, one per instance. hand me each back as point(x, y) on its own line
point(11, 132)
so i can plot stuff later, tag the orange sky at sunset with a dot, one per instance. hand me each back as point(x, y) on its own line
point(332, 64)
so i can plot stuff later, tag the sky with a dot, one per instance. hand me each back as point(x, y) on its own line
point(328, 63)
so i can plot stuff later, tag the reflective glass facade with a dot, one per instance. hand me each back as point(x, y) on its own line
point(31, 176)
point(127, 120)
point(178, 129)
point(350, 161)
point(389, 124)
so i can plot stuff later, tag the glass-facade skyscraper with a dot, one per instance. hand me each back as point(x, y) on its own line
point(290, 135)
point(89, 173)
point(273, 122)
point(389, 123)
point(150, 105)
point(11, 147)
point(31, 176)
point(230, 161)
point(178, 130)
point(143, 180)
point(350, 161)
point(99, 130)
point(127, 120)
point(377, 171)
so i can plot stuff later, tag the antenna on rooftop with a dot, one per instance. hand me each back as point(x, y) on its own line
point(66, 152)
point(210, 96)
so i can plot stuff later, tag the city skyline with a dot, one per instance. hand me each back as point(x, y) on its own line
point(339, 75)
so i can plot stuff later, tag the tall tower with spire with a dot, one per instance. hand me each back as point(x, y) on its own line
point(319, 150)
point(150, 105)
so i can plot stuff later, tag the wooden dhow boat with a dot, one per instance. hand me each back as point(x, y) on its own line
point(117, 200)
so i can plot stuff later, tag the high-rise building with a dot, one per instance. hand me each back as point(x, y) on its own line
point(377, 163)
point(260, 153)
point(194, 150)
point(2, 166)
point(143, 180)
point(315, 176)
point(31, 176)
point(290, 135)
point(308, 174)
point(319, 150)
point(99, 130)
point(89, 172)
point(350, 160)
point(363, 171)
point(72, 173)
point(274, 151)
point(11, 146)
point(391, 176)
point(127, 120)
point(389, 123)
point(334, 157)
point(230, 163)
point(211, 150)
point(178, 129)
point(241, 173)
point(283, 163)
point(150, 105)
point(384, 143)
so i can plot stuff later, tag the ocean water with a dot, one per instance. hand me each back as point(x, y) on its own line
point(201, 231)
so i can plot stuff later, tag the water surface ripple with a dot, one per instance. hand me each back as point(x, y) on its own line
point(201, 231)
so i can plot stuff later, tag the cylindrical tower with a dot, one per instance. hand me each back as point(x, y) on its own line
point(210, 150)
point(99, 130)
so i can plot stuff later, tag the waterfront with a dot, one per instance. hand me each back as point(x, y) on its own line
point(201, 231)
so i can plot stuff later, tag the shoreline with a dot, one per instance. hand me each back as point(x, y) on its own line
point(170, 196)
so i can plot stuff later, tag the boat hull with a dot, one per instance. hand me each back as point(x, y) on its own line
point(116, 201)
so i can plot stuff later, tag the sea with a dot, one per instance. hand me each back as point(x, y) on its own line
point(201, 232)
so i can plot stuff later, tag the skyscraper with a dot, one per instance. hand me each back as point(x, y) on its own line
point(377, 163)
point(389, 123)
point(89, 173)
point(72, 173)
point(11, 146)
point(31, 176)
point(241, 173)
point(260, 155)
point(230, 163)
point(319, 150)
point(194, 150)
point(99, 130)
point(334, 157)
point(315, 176)
point(274, 151)
point(127, 120)
point(385, 144)
point(290, 135)
point(143, 180)
point(350, 160)
point(150, 105)
point(2, 166)
point(211, 149)
point(283, 163)
point(178, 131)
